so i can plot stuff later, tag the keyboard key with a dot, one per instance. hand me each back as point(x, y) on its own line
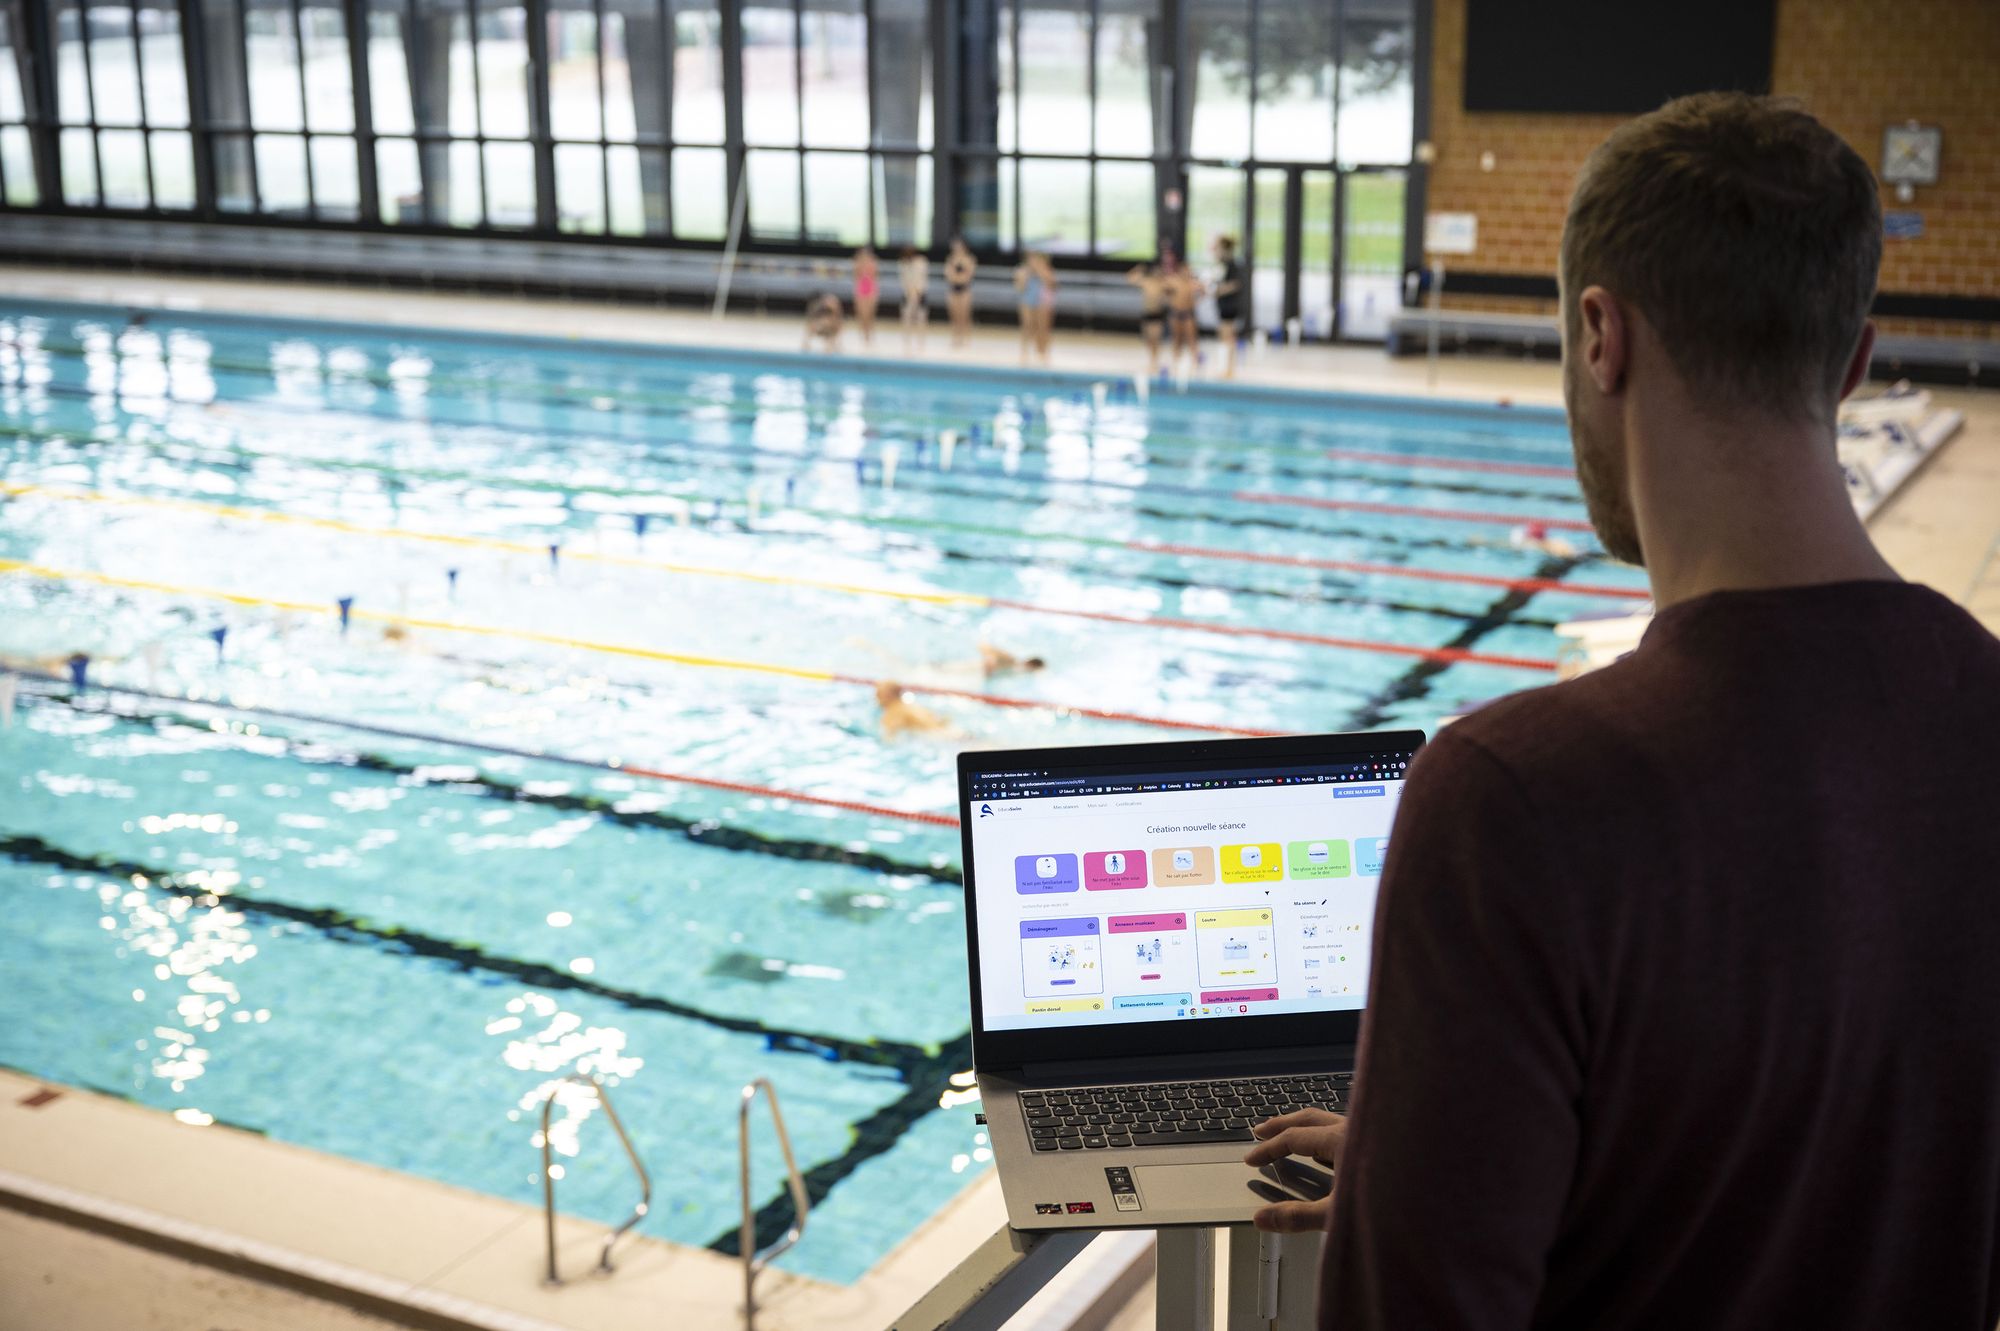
point(1093, 1143)
point(1047, 1145)
point(1193, 1138)
point(1072, 1143)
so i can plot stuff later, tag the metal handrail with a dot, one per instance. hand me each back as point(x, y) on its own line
point(754, 1259)
point(549, 1182)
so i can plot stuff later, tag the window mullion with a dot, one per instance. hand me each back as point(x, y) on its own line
point(305, 109)
point(145, 120)
point(478, 112)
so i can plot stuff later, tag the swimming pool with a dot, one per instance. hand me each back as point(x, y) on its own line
point(591, 777)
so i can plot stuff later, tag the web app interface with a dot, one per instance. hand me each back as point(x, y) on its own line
point(1147, 896)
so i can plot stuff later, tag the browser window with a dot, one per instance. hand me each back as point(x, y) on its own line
point(1148, 896)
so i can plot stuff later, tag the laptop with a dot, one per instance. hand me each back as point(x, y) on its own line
point(1168, 943)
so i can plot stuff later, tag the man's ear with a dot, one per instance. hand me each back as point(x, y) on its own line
point(1604, 339)
point(1857, 365)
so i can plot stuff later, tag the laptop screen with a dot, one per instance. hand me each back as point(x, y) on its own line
point(1153, 893)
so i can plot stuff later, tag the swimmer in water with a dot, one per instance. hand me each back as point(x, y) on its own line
point(903, 717)
point(1535, 536)
point(999, 661)
point(990, 662)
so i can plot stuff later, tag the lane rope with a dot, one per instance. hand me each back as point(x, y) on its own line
point(964, 599)
point(1409, 510)
point(512, 751)
point(1426, 461)
point(611, 648)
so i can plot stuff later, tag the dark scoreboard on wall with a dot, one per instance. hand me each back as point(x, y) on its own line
point(1623, 56)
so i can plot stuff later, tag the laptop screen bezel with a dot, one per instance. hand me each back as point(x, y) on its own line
point(1006, 1049)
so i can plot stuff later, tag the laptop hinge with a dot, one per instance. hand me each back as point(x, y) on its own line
point(1194, 1067)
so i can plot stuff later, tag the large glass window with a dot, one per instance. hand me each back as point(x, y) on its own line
point(1099, 130)
point(837, 120)
point(1294, 102)
point(1077, 80)
point(1377, 106)
point(605, 84)
point(1219, 45)
point(18, 188)
point(119, 80)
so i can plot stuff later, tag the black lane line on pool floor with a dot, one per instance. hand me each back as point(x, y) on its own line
point(1415, 682)
point(340, 927)
point(706, 831)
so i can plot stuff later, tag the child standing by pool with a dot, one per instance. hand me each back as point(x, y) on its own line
point(959, 269)
point(1035, 279)
point(867, 291)
point(1151, 279)
point(1183, 289)
point(913, 271)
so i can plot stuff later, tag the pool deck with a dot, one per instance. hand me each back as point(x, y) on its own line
point(454, 1258)
point(403, 1248)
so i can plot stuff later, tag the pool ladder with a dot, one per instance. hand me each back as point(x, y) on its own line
point(754, 1259)
point(553, 1277)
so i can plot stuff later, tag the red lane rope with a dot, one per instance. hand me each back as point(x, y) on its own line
point(1033, 705)
point(1391, 570)
point(1410, 510)
point(771, 792)
point(513, 751)
point(1452, 464)
point(1288, 635)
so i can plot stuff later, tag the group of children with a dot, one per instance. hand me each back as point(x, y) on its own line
point(825, 316)
point(1169, 291)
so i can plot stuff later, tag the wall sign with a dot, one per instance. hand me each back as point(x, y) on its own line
point(1451, 233)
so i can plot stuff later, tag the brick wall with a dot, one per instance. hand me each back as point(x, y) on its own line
point(1860, 65)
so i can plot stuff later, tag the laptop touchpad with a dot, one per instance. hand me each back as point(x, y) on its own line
point(1171, 1187)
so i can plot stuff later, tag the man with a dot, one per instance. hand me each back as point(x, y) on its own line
point(1228, 302)
point(1685, 1008)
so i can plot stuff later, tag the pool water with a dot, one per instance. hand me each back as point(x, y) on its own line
point(592, 778)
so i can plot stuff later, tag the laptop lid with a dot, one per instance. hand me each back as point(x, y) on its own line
point(1161, 899)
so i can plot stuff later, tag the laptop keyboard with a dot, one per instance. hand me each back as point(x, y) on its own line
point(1174, 1113)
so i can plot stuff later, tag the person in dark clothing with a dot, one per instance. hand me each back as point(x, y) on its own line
point(1685, 1009)
point(1228, 302)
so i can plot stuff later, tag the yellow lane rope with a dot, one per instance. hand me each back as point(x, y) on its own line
point(411, 621)
point(490, 543)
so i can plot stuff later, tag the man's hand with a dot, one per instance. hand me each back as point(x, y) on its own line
point(1309, 1132)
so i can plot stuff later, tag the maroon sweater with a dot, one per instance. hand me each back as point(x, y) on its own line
point(1686, 997)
